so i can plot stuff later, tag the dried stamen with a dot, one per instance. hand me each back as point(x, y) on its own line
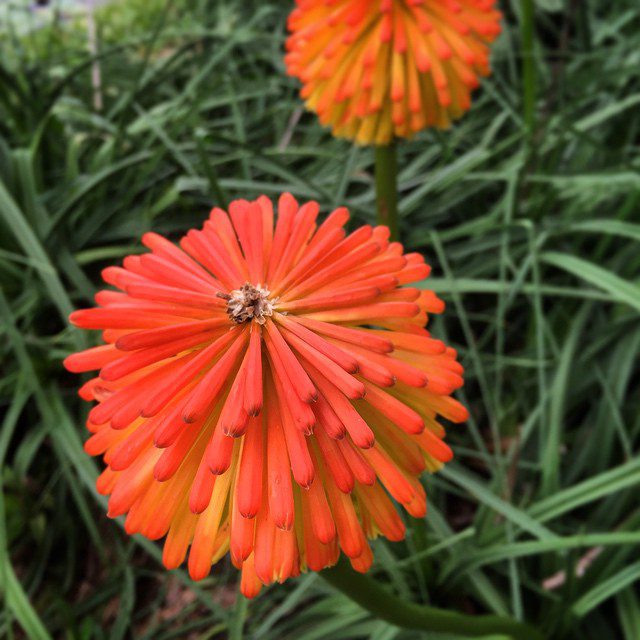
point(249, 303)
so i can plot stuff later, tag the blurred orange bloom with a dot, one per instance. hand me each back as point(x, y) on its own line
point(265, 388)
point(376, 69)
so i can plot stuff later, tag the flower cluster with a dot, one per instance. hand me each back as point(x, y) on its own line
point(266, 388)
point(376, 69)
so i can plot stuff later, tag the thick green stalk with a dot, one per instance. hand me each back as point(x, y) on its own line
point(408, 615)
point(387, 187)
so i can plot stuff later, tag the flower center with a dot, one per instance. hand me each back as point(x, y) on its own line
point(249, 303)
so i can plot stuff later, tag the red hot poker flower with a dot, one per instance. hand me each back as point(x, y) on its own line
point(375, 69)
point(266, 389)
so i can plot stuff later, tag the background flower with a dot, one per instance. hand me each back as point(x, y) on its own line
point(376, 69)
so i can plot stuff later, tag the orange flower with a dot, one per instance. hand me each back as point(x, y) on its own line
point(375, 69)
point(265, 388)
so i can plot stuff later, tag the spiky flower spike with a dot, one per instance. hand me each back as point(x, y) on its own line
point(265, 389)
point(375, 69)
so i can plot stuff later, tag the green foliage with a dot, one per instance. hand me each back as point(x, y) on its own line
point(533, 237)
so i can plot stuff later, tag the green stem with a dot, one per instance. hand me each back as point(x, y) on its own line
point(387, 187)
point(529, 79)
point(374, 598)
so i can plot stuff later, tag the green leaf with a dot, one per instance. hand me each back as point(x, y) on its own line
point(25, 237)
point(611, 227)
point(604, 484)
point(476, 487)
point(628, 606)
point(606, 589)
point(622, 290)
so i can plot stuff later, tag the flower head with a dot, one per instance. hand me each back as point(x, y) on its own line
point(375, 69)
point(266, 389)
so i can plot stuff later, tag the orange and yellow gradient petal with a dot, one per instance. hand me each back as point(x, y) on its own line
point(377, 69)
point(266, 388)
